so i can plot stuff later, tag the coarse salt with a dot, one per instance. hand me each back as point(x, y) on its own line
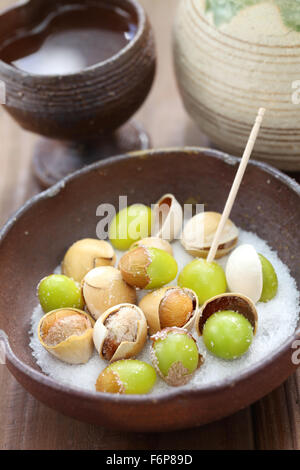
point(283, 310)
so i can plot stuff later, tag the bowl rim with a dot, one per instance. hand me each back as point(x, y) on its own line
point(141, 24)
point(173, 393)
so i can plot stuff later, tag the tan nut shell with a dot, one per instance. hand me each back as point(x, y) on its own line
point(73, 350)
point(172, 218)
point(133, 267)
point(103, 288)
point(237, 302)
point(126, 349)
point(85, 255)
point(152, 303)
point(154, 242)
point(244, 272)
point(199, 232)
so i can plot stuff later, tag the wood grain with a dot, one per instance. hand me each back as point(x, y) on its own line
point(272, 423)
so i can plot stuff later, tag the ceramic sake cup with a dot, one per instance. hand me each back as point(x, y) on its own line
point(81, 111)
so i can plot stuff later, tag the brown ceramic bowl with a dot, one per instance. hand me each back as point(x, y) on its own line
point(95, 101)
point(36, 238)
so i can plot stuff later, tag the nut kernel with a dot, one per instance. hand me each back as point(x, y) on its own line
point(169, 306)
point(68, 335)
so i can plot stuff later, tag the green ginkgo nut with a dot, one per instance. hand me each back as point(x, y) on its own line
point(205, 279)
point(131, 224)
point(270, 280)
point(175, 350)
point(162, 269)
point(227, 334)
point(127, 377)
point(58, 291)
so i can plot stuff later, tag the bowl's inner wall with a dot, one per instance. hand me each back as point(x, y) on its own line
point(36, 243)
point(23, 18)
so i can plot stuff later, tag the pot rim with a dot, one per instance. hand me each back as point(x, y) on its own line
point(171, 394)
point(141, 25)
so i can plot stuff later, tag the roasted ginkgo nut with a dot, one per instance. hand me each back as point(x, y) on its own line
point(104, 288)
point(200, 230)
point(120, 332)
point(205, 279)
point(67, 334)
point(148, 268)
point(270, 280)
point(154, 242)
point(59, 291)
point(129, 225)
point(175, 355)
point(127, 377)
point(169, 306)
point(238, 303)
point(85, 255)
point(227, 334)
point(251, 274)
point(176, 309)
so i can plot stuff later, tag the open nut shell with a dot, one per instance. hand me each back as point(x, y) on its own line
point(103, 288)
point(198, 235)
point(168, 216)
point(133, 267)
point(237, 302)
point(85, 255)
point(73, 350)
point(154, 242)
point(126, 349)
point(244, 272)
point(152, 305)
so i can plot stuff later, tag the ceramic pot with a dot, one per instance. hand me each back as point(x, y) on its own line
point(232, 58)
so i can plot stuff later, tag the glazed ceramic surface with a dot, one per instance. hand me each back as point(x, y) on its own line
point(34, 241)
point(90, 103)
point(233, 57)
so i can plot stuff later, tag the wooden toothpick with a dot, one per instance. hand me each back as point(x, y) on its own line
point(236, 184)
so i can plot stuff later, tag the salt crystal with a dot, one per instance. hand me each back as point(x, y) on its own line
point(283, 310)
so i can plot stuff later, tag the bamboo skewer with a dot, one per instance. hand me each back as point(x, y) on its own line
point(236, 184)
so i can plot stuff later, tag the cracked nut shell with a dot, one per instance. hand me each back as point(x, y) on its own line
point(154, 242)
point(199, 232)
point(148, 268)
point(103, 288)
point(68, 335)
point(170, 306)
point(168, 217)
point(128, 376)
point(236, 302)
point(85, 255)
point(120, 333)
point(175, 356)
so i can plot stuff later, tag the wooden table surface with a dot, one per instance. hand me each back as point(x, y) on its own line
point(271, 423)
